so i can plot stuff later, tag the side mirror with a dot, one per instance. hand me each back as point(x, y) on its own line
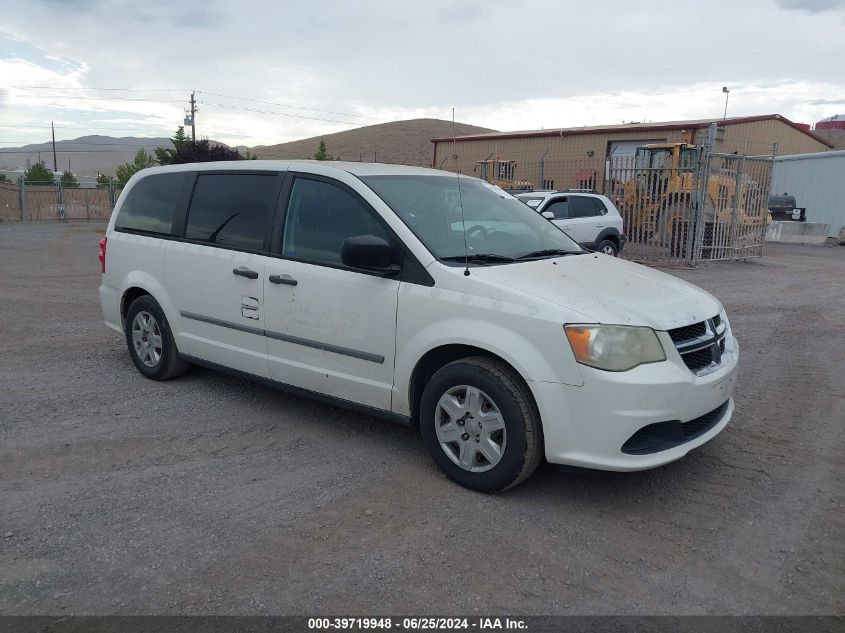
point(368, 252)
point(548, 215)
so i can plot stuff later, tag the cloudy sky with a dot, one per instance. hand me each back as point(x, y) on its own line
point(272, 71)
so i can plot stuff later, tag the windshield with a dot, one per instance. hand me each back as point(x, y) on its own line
point(498, 226)
point(653, 158)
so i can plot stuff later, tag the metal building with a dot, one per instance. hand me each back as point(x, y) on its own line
point(581, 157)
point(818, 183)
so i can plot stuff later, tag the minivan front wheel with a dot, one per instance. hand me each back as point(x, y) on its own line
point(150, 340)
point(480, 424)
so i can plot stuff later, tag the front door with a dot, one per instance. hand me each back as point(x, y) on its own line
point(216, 275)
point(330, 329)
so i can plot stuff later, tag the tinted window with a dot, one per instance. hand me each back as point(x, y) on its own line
point(232, 210)
point(320, 217)
point(560, 208)
point(583, 207)
point(151, 203)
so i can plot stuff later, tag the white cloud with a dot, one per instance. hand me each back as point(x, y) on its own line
point(505, 65)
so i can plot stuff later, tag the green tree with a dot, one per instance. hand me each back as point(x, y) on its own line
point(127, 170)
point(322, 154)
point(165, 156)
point(38, 174)
point(203, 151)
point(103, 181)
point(2, 177)
point(249, 155)
point(69, 181)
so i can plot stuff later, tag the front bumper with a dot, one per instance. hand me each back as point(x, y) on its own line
point(588, 425)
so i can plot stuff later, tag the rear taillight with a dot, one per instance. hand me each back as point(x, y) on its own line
point(102, 255)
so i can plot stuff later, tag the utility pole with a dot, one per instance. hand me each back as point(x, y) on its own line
point(192, 117)
point(55, 162)
point(727, 94)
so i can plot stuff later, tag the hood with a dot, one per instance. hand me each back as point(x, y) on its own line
point(607, 290)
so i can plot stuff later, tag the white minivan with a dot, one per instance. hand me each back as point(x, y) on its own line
point(420, 296)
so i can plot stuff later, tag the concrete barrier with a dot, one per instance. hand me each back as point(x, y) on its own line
point(812, 233)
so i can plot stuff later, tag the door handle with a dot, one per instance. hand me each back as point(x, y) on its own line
point(242, 271)
point(283, 279)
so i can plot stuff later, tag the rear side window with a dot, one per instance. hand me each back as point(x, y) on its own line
point(151, 203)
point(232, 210)
point(584, 207)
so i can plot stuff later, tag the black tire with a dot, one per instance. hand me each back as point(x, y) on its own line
point(169, 365)
point(608, 247)
point(523, 448)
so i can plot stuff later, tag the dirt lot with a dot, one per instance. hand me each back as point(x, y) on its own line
point(208, 494)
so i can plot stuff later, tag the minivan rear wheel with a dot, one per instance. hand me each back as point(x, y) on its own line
point(480, 424)
point(150, 340)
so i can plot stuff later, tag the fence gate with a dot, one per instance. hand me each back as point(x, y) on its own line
point(686, 205)
point(734, 207)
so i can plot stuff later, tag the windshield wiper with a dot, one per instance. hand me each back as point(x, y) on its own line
point(478, 258)
point(549, 252)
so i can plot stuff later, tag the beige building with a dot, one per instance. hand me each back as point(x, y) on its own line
point(580, 157)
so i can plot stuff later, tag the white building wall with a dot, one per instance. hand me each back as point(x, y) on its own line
point(818, 183)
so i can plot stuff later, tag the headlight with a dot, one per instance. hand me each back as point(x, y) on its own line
point(614, 347)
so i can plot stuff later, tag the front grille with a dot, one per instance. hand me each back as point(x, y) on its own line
point(699, 359)
point(662, 436)
point(688, 332)
point(701, 345)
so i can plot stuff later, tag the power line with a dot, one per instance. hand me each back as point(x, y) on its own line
point(285, 105)
point(80, 151)
point(286, 114)
point(82, 98)
point(103, 89)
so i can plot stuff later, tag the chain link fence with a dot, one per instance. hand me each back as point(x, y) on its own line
point(680, 203)
point(53, 202)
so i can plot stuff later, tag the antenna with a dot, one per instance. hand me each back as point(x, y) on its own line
point(460, 196)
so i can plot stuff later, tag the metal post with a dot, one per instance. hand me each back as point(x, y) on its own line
point(22, 197)
point(701, 195)
point(543, 170)
point(740, 167)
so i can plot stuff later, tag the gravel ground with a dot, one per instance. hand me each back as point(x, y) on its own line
point(209, 494)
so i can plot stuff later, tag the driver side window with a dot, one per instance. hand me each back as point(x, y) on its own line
point(560, 208)
point(320, 216)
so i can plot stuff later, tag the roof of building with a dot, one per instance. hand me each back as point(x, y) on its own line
point(631, 127)
point(835, 117)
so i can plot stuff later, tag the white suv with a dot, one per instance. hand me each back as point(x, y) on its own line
point(589, 218)
point(422, 297)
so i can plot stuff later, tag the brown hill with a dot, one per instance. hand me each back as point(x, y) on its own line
point(84, 156)
point(399, 142)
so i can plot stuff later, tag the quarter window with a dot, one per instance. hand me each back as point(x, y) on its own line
point(151, 203)
point(232, 210)
point(320, 216)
